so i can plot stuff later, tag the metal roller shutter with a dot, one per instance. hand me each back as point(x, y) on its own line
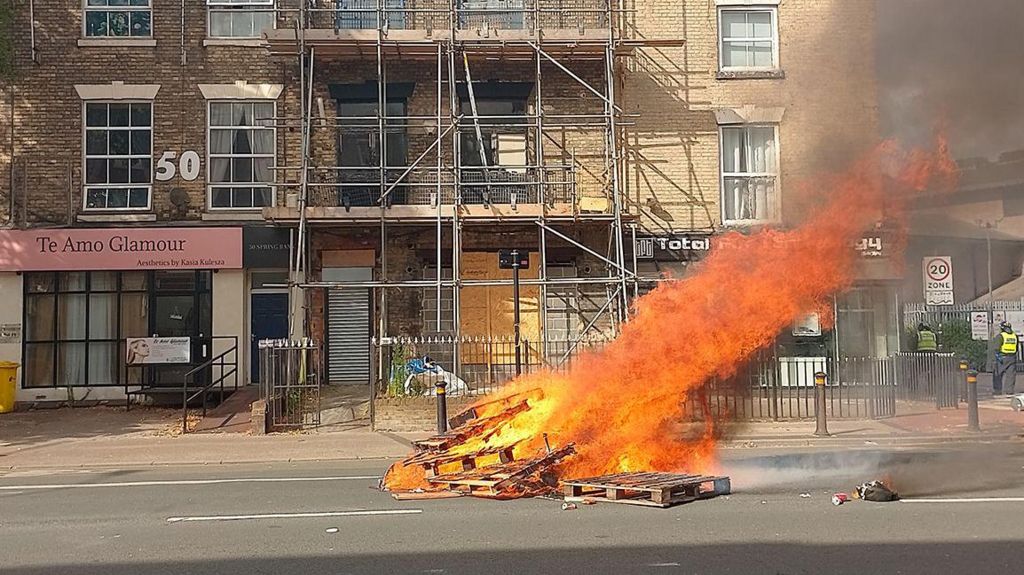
point(348, 333)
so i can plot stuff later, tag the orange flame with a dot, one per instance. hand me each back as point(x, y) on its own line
point(623, 406)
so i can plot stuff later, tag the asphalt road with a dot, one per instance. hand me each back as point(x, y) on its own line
point(324, 518)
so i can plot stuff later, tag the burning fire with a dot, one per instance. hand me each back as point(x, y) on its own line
point(623, 406)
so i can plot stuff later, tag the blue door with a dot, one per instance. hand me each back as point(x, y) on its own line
point(269, 313)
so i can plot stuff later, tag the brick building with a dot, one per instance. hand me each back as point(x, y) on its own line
point(388, 154)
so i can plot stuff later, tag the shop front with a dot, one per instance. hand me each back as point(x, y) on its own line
point(77, 295)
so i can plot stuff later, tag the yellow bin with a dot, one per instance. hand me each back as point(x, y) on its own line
point(8, 383)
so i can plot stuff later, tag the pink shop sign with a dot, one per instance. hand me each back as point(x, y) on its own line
point(121, 249)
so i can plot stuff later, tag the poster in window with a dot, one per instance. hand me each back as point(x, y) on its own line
point(158, 350)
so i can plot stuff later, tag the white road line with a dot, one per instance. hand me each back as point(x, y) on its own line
point(312, 515)
point(967, 500)
point(663, 565)
point(188, 482)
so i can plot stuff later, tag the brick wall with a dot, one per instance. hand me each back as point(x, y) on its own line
point(48, 110)
point(826, 51)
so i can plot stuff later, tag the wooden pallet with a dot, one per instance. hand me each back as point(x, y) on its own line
point(481, 429)
point(495, 480)
point(512, 401)
point(651, 489)
point(433, 461)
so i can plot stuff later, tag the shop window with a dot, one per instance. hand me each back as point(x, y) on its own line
point(241, 154)
point(118, 155)
point(748, 39)
point(239, 18)
point(75, 325)
point(750, 174)
point(118, 18)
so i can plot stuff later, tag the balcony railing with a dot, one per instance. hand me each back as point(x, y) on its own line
point(506, 185)
point(467, 14)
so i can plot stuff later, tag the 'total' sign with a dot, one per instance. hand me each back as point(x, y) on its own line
point(938, 280)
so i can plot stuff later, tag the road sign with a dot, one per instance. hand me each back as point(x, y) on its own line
point(509, 259)
point(938, 280)
point(979, 326)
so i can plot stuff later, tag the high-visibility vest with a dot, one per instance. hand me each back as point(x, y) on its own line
point(1009, 345)
point(926, 341)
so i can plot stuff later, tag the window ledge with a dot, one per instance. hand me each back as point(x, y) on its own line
point(244, 42)
point(109, 217)
point(233, 216)
point(116, 42)
point(750, 75)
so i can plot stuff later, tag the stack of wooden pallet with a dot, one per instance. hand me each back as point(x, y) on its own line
point(461, 462)
point(490, 471)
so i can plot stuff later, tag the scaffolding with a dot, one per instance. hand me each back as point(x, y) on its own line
point(553, 166)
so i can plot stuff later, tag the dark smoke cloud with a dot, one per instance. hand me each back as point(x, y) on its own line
point(961, 61)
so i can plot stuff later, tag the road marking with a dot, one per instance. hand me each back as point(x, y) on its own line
point(967, 500)
point(663, 565)
point(189, 482)
point(312, 515)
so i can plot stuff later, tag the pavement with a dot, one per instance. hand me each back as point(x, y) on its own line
point(961, 514)
point(110, 436)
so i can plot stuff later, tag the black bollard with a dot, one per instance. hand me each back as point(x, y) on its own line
point(972, 401)
point(442, 408)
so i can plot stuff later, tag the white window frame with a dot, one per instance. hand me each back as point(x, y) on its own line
point(213, 6)
point(776, 207)
point(210, 184)
point(86, 186)
point(86, 9)
point(774, 11)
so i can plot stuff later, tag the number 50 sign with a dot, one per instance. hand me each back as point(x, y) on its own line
point(188, 166)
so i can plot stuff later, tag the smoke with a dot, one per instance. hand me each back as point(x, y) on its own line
point(954, 61)
point(918, 473)
point(806, 471)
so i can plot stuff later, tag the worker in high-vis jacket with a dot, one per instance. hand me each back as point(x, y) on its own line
point(1005, 375)
point(926, 340)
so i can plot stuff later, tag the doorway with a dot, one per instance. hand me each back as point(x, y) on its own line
point(348, 327)
point(181, 306)
point(268, 314)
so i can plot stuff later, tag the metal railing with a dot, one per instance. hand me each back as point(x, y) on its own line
point(930, 377)
point(472, 365)
point(290, 382)
point(462, 14)
point(782, 388)
point(225, 360)
point(506, 185)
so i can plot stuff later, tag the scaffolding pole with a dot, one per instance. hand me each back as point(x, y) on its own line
point(538, 51)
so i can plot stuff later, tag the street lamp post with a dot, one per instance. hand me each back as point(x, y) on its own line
point(515, 260)
point(515, 312)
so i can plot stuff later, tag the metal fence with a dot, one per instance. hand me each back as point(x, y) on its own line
point(937, 316)
point(770, 387)
point(290, 383)
point(930, 377)
point(469, 365)
point(782, 388)
point(934, 315)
